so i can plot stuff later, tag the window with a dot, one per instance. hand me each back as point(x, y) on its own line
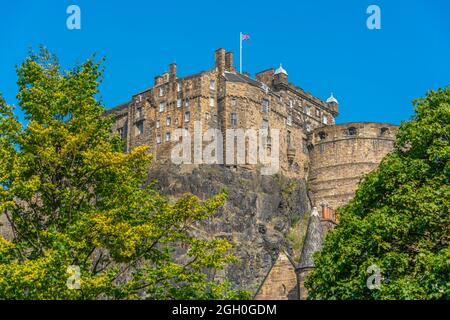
point(351, 131)
point(289, 121)
point(158, 124)
point(139, 112)
point(265, 124)
point(167, 136)
point(162, 106)
point(186, 104)
point(233, 119)
point(308, 110)
point(138, 98)
point(120, 132)
point(233, 102)
point(291, 104)
point(305, 146)
point(206, 116)
point(325, 120)
point(139, 128)
point(187, 116)
point(158, 139)
point(211, 102)
point(179, 103)
point(384, 131)
point(212, 85)
point(308, 127)
point(168, 121)
point(179, 87)
point(161, 91)
point(317, 112)
point(288, 138)
point(265, 106)
point(322, 135)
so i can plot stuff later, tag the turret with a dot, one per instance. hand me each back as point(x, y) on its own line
point(280, 76)
point(333, 104)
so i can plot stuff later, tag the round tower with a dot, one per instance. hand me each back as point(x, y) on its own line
point(341, 155)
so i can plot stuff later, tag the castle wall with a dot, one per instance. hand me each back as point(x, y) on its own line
point(341, 155)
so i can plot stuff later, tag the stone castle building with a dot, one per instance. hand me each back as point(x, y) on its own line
point(331, 157)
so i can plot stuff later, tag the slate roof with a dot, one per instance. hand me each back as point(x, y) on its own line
point(313, 241)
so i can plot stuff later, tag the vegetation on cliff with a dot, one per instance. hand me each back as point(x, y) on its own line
point(399, 220)
point(86, 224)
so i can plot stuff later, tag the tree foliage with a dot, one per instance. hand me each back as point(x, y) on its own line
point(399, 219)
point(75, 199)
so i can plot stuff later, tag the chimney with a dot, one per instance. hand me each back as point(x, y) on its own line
point(220, 59)
point(158, 80)
point(229, 61)
point(172, 71)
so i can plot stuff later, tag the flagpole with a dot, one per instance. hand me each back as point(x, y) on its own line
point(240, 52)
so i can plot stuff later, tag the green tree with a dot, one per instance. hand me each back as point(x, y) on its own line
point(399, 219)
point(75, 200)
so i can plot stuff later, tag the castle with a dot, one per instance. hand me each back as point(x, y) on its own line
point(331, 157)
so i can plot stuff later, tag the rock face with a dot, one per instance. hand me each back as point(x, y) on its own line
point(256, 217)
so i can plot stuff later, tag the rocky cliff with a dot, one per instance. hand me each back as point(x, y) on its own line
point(257, 216)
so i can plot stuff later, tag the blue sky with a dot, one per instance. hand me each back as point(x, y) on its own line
point(324, 45)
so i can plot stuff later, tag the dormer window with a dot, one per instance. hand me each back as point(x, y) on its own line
point(161, 91)
point(325, 120)
point(212, 84)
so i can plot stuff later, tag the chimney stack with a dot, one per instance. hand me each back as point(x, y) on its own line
point(229, 61)
point(220, 59)
point(172, 71)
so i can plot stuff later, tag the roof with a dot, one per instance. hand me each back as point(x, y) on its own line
point(332, 99)
point(239, 77)
point(281, 70)
point(313, 241)
point(117, 109)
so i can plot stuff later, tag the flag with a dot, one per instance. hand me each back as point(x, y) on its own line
point(245, 37)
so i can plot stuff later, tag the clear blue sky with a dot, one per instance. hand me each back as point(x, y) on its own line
point(324, 45)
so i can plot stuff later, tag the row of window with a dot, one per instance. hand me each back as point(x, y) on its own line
point(162, 89)
point(162, 105)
